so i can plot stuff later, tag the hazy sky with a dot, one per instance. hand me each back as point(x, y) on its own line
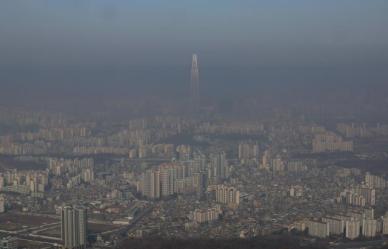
point(79, 42)
point(271, 33)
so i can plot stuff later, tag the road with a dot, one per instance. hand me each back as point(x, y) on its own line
point(359, 244)
point(31, 233)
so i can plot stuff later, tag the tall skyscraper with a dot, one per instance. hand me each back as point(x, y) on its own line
point(74, 227)
point(194, 84)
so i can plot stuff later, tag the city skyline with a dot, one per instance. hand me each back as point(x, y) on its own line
point(150, 124)
point(99, 47)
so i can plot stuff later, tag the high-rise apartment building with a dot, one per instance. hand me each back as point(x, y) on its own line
point(149, 186)
point(200, 183)
point(385, 223)
point(330, 142)
point(206, 214)
point(266, 160)
point(318, 229)
point(227, 195)
point(1, 181)
point(352, 229)
point(168, 176)
point(374, 181)
point(369, 228)
point(171, 178)
point(2, 204)
point(218, 167)
point(336, 225)
point(358, 196)
point(248, 152)
point(74, 227)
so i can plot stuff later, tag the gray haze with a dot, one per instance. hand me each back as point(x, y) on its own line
point(94, 49)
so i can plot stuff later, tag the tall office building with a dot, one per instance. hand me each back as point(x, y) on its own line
point(194, 84)
point(74, 227)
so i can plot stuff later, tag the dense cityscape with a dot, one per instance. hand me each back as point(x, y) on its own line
point(147, 125)
point(78, 182)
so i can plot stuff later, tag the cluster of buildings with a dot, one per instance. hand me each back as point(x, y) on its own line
point(152, 150)
point(69, 137)
point(272, 163)
point(248, 152)
point(260, 187)
point(18, 149)
point(240, 128)
point(169, 179)
point(71, 171)
point(61, 173)
point(354, 219)
point(61, 166)
point(55, 134)
point(352, 225)
point(278, 165)
point(97, 150)
point(374, 181)
point(330, 142)
point(206, 215)
point(227, 195)
point(136, 141)
point(296, 191)
point(24, 182)
point(362, 130)
point(297, 166)
point(135, 152)
point(364, 194)
point(183, 177)
point(358, 196)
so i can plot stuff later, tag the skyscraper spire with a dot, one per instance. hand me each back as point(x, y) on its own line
point(194, 84)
